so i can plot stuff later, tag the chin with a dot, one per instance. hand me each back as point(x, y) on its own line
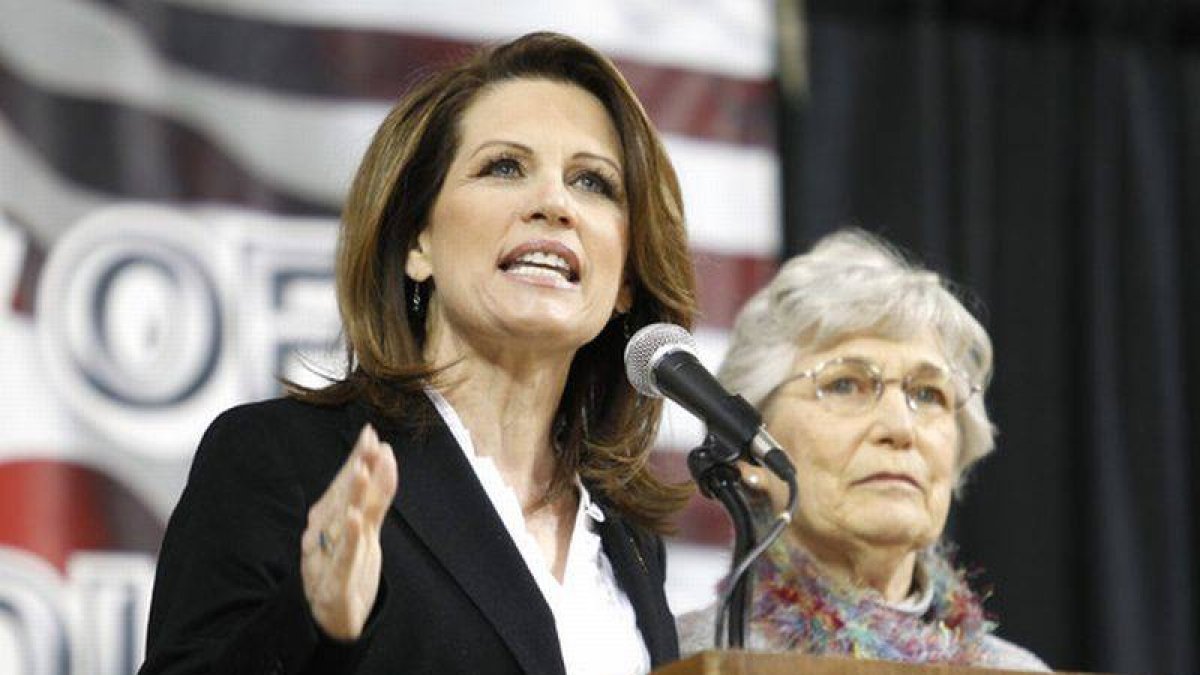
point(571, 331)
point(896, 534)
point(532, 312)
point(895, 526)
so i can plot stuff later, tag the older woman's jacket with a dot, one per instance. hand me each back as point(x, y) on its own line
point(455, 595)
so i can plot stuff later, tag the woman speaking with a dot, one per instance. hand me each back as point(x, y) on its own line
point(472, 496)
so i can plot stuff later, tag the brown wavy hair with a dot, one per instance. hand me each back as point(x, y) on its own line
point(603, 429)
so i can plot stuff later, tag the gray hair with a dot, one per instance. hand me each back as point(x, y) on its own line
point(852, 283)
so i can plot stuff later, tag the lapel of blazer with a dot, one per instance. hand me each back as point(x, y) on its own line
point(442, 500)
point(640, 575)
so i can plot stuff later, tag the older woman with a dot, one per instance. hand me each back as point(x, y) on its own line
point(870, 374)
point(473, 495)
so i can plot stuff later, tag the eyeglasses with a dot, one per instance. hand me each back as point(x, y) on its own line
point(851, 385)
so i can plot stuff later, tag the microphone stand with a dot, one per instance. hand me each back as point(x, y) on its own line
point(711, 467)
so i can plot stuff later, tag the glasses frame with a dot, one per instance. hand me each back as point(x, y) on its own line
point(880, 383)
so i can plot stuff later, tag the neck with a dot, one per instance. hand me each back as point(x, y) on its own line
point(888, 569)
point(508, 401)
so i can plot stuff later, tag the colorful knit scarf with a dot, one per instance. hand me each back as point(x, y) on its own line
point(796, 607)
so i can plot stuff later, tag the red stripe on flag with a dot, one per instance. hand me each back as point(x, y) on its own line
point(703, 520)
point(25, 291)
point(54, 508)
point(51, 509)
point(336, 62)
point(725, 282)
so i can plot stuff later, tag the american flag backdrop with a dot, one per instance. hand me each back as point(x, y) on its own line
point(170, 177)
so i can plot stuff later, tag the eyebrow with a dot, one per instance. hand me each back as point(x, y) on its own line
point(913, 366)
point(525, 149)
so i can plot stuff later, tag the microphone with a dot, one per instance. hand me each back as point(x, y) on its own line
point(660, 361)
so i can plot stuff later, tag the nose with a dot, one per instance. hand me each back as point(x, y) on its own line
point(551, 203)
point(893, 422)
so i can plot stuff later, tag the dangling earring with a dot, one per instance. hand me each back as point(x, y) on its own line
point(415, 303)
point(625, 329)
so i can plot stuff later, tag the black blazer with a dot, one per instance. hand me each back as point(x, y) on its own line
point(455, 594)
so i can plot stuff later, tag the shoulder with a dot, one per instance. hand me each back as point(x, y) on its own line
point(291, 420)
point(277, 438)
point(280, 413)
point(695, 630)
point(1004, 654)
point(273, 422)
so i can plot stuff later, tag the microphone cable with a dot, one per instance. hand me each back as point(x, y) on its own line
point(780, 523)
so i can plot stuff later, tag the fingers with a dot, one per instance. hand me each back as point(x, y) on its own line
point(373, 484)
point(380, 487)
point(340, 546)
point(371, 477)
point(366, 482)
point(346, 552)
point(367, 450)
point(339, 492)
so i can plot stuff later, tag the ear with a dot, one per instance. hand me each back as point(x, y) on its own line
point(418, 265)
point(753, 477)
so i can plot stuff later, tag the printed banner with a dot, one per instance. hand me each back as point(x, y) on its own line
point(170, 177)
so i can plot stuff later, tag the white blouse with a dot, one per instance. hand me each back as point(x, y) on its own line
point(596, 623)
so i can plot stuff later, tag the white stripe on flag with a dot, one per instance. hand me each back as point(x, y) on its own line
point(733, 37)
point(730, 196)
point(307, 145)
point(35, 194)
point(311, 146)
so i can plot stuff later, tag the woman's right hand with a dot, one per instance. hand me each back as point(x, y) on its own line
point(340, 551)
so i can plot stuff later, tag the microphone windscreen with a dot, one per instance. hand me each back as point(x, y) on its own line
point(647, 347)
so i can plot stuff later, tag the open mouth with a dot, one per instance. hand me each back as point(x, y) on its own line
point(542, 259)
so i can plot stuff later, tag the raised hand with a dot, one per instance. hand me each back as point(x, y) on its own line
point(340, 551)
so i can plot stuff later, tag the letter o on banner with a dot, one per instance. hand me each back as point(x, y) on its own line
point(130, 323)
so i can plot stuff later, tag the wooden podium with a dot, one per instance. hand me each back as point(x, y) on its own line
point(738, 662)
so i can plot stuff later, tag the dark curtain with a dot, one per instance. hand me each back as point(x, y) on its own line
point(1046, 156)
